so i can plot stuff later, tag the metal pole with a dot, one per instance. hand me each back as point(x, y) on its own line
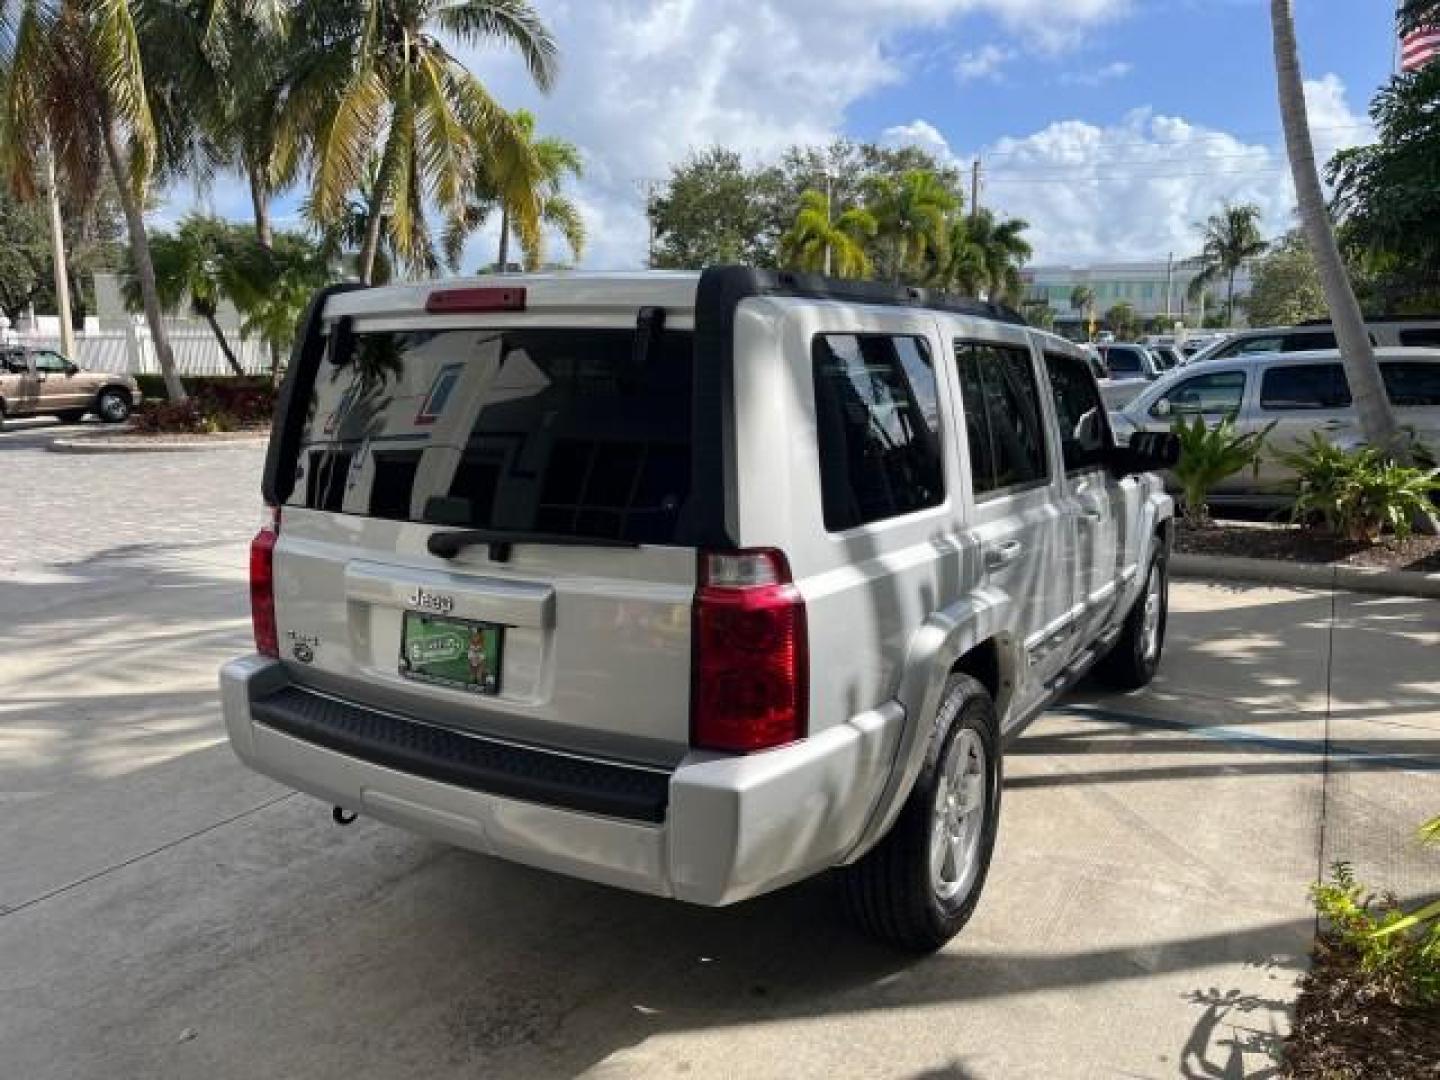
point(57, 249)
point(829, 216)
point(1169, 287)
point(975, 189)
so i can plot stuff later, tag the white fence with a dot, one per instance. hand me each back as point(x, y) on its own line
point(131, 351)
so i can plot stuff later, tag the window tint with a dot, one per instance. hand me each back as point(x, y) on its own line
point(1122, 361)
point(1306, 386)
point(1428, 337)
point(563, 432)
point(1312, 339)
point(1217, 393)
point(1002, 406)
point(1412, 385)
point(878, 428)
point(1084, 431)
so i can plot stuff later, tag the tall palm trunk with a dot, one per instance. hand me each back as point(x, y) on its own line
point(57, 254)
point(502, 259)
point(140, 250)
point(265, 236)
point(1230, 300)
point(215, 328)
point(373, 223)
point(1377, 418)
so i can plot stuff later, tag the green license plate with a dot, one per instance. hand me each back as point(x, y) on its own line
point(451, 652)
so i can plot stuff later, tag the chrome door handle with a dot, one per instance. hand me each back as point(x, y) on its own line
point(1002, 555)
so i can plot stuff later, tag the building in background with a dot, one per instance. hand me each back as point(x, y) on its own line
point(1158, 291)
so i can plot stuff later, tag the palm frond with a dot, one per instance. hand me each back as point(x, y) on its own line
point(506, 22)
point(116, 49)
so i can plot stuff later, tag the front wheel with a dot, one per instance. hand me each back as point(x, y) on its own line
point(113, 406)
point(917, 888)
point(1135, 658)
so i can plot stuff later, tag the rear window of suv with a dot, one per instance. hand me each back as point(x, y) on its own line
point(553, 431)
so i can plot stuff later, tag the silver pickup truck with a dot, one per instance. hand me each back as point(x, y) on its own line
point(696, 585)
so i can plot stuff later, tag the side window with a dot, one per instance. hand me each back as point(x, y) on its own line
point(1427, 338)
point(50, 362)
point(1251, 347)
point(1084, 430)
point(1218, 393)
point(1001, 390)
point(1305, 386)
point(877, 427)
point(1412, 385)
point(1123, 361)
point(1312, 339)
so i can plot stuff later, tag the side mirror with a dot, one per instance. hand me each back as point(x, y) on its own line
point(1149, 451)
point(71, 368)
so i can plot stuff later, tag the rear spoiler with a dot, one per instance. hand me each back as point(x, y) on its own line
point(290, 406)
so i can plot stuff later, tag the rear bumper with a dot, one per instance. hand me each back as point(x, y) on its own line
point(715, 830)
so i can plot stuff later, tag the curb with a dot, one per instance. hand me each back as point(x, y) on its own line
point(98, 445)
point(1306, 575)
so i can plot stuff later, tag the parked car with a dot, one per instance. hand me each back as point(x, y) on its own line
point(1319, 334)
point(41, 382)
point(1299, 393)
point(1131, 368)
point(700, 601)
point(1169, 356)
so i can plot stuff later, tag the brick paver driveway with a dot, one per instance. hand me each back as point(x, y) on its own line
point(165, 913)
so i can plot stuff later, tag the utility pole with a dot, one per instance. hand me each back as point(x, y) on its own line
point(1169, 288)
point(57, 249)
point(829, 215)
point(975, 188)
point(647, 190)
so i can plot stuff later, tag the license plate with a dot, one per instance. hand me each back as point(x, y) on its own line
point(451, 652)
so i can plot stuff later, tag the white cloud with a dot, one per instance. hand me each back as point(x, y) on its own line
point(983, 63)
point(1117, 69)
point(644, 81)
point(1136, 189)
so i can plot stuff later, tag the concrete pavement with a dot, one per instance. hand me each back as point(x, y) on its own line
point(167, 914)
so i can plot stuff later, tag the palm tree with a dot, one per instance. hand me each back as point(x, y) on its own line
point(1121, 319)
point(818, 239)
point(77, 73)
point(961, 261)
point(912, 215)
point(1232, 237)
point(1377, 417)
point(1082, 299)
point(190, 267)
point(1003, 251)
point(524, 179)
point(376, 70)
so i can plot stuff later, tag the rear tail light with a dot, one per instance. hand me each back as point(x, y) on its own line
point(457, 301)
point(749, 689)
point(262, 587)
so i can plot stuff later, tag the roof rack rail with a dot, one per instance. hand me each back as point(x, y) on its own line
point(737, 282)
point(1377, 319)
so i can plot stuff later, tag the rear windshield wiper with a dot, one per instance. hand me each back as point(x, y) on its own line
point(446, 545)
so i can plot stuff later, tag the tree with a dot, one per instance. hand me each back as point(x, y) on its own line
point(1121, 319)
point(1082, 299)
point(708, 214)
point(525, 181)
point(271, 286)
point(1387, 196)
point(77, 82)
point(912, 213)
point(818, 240)
point(189, 265)
point(1231, 238)
point(1372, 405)
point(1002, 250)
point(1285, 287)
point(378, 70)
point(1040, 313)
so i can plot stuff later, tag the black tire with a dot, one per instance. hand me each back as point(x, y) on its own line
point(1133, 661)
point(71, 416)
point(891, 892)
point(113, 405)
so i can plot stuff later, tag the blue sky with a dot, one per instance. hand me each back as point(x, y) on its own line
point(1112, 126)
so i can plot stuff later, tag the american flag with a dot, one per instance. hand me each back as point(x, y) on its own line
point(1419, 47)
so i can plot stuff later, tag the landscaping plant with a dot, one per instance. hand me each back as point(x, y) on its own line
point(1397, 954)
point(1359, 493)
point(1207, 456)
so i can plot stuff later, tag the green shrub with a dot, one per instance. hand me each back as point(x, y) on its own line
point(1209, 455)
point(1359, 493)
point(1398, 953)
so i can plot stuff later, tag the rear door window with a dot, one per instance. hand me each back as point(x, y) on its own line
point(1084, 430)
point(562, 432)
point(1002, 410)
point(1122, 361)
point(877, 428)
point(1412, 385)
point(1251, 346)
point(1304, 386)
point(1309, 340)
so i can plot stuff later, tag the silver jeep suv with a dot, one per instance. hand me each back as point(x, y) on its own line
point(696, 585)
